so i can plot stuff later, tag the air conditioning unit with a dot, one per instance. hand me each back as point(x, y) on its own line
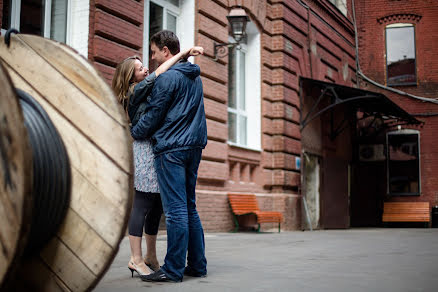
point(372, 152)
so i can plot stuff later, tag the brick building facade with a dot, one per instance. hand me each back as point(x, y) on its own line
point(317, 42)
point(293, 39)
point(260, 148)
point(375, 45)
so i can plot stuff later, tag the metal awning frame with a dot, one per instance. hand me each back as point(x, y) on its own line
point(329, 92)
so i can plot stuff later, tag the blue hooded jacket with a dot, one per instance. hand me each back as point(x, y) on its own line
point(174, 118)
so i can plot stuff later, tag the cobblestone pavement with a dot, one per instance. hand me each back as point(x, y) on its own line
point(337, 260)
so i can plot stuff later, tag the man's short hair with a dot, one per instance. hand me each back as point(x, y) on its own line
point(166, 38)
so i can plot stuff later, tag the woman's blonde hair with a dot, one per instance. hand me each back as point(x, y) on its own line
point(123, 80)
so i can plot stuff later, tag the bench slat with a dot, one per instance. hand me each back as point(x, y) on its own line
point(242, 204)
point(406, 212)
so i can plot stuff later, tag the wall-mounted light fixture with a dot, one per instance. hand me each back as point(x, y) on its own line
point(237, 19)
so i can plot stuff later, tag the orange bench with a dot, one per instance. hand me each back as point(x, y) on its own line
point(406, 212)
point(245, 204)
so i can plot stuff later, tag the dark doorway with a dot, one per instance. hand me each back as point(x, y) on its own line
point(367, 191)
point(334, 194)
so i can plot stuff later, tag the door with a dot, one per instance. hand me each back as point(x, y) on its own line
point(367, 190)
point(334, 194)
point(311, 185)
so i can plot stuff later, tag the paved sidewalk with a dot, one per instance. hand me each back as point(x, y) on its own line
point(381, 260)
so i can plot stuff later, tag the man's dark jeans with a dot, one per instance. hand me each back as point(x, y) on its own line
point(177, 172)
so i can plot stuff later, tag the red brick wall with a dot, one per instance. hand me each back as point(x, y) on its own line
point(287, 37)
point(116, 32)
point(371, 28)
point(318, 43)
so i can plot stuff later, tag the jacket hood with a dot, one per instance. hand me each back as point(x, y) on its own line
point(188, 69)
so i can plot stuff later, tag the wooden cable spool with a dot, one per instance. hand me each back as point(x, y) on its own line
point(94, 130)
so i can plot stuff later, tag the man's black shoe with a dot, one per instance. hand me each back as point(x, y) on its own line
point(158, 276)
point(189, 272)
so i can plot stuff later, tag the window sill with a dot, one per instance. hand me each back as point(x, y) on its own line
point(402, 85)
point(243, 147)
point(404, 194)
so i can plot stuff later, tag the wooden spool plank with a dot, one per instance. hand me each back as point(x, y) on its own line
point(105, 218)
point(43, 280)
point(58, 55)
point(84, 156)
point(78, 108)
point(85, 242)
point(15, 178)
point(89, 191)
point(67, 266)
point(94, 131)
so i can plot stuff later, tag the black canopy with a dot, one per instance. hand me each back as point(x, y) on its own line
point(371, 103)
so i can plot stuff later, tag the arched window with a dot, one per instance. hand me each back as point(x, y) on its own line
point(400, 54)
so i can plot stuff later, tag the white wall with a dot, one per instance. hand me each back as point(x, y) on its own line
point(253, 87)
point(78, 26)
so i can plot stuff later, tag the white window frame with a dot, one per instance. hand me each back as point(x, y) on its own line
point(78, 25)
point(16, 12)
point(238, 111)
point(252, 96)
point(167, 8)
point(15, 15)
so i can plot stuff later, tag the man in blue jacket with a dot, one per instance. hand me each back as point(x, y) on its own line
point(175, 121)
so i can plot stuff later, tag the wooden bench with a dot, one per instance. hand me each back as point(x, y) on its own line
point(406, 212)
point(245, 204)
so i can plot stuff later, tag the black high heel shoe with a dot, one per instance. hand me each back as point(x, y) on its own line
point(132, 272)
point(153, 268)
point(133, 268)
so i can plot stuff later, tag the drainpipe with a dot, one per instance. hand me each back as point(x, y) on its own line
point(309, 51)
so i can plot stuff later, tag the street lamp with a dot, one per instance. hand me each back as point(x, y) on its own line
point(237, 19)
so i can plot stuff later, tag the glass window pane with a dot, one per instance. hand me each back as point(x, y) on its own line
point(31, 17)
point(6, 14)
point(241, 72)
point(58, 27)
point(232, 79)
point(242, 130)
point(400, 55)
point(155, 25)
point(403, 164)
point(155, 19)
point(232, 127)
point(171, 22)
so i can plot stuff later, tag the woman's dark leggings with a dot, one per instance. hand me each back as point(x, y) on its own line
point(146, 210)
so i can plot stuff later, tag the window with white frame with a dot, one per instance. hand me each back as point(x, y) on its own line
point(163, 14)
point(174, 15)
point(47, 18)
point(244, 108)
point(237, 114)
point(65, 21)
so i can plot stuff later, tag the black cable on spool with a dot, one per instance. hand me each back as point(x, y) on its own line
point(51, 173)
point(8, 35)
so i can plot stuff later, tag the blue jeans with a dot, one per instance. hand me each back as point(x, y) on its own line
point(177, 173)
